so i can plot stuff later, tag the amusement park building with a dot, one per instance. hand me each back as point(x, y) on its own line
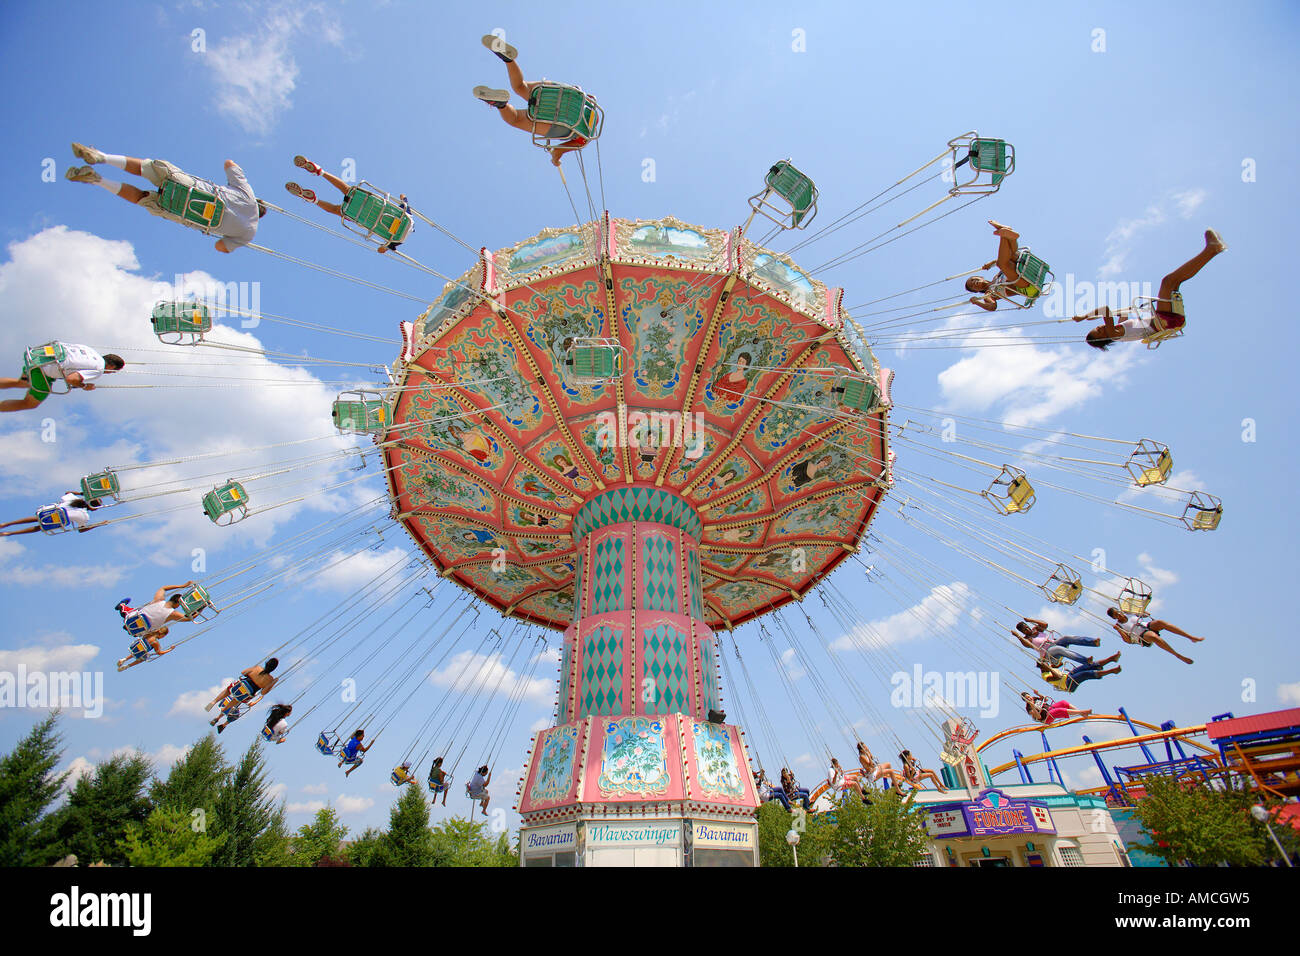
point(1020, 825)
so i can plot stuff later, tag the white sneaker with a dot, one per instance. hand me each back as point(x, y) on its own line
point(87, 154)
point(83, 174)
point(501, 48)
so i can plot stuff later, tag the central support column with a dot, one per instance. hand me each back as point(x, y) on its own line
point(634, 761)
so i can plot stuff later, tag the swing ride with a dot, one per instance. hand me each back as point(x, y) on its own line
point(643, 434)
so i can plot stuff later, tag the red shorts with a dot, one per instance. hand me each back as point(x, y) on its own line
point(1170, 321)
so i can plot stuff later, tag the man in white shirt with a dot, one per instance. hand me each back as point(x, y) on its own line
point(81, 367)
point(477, 786)
point(238, 223)
point(76, 508)
point(161, 611)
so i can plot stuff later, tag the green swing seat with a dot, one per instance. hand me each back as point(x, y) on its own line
point(100, 485)
point(372, 212)
point(989, 160)
point(796, 189)
point(226, 504)
point(561, 113)
point(359, 412)
point(858, 394)
point(191, 204)
point(181, 323)
point(40, 355)
point(594, 361)
point(195, 600)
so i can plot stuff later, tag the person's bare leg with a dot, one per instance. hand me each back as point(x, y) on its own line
point(517, 79)
point(15, 383)
point(31, 520)
point(1171, 283)
point(1161, 643)
point(31, 530)
point(18, 404)
point(334, 181)
point(516, 118)
point(130, 193)
point(1103, 312)
point(1166, 626)
point(330, 206)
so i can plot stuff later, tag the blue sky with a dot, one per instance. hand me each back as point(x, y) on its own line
point(1124, 158)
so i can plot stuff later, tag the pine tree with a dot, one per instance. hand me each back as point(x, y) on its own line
point(195, 780)
point(408, 841)
point(168, 837)
point(28, 785)
point(367, 849)
point(245, 812)
point(99, 809)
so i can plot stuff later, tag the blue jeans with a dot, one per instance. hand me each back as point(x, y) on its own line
point(1082, 673)
point(1057, 649)
point(779, 795)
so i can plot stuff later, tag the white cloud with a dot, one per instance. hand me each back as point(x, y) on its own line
point(345, 574)
point(309, 806)
point(68, 657)
point(1119, 242)
point(792, 667)
point(65, 272)
point(1030, 384)
point(191, 702)
point(78, 768)
point(1289, 693)
point(347, 804)
point(321, 788)
point(256, 73)
point(470, 669)
point(940, 610)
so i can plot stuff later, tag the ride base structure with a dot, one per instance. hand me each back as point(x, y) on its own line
point(528, 458)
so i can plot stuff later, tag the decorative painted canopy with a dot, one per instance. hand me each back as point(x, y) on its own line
point(637, 353)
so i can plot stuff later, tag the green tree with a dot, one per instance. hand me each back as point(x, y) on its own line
point(775, 821)
point(99, 809)
point(195, 780)
point(28, 785)
point(460, 842)
point(318, 839)
point(168, 837)
point(888, 832)
point(367, 848)
point(408, 841)
point(246, 814)
point(1196, 824)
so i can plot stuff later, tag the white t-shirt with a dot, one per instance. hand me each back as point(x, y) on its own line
point(1136, 327)
point(239, 221)
point(156, 613)
point(279, 730)
point(1135, 628)
point(80, 517)
point(477, 784)
point(85, 361)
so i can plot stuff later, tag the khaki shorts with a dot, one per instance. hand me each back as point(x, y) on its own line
point(159, 172)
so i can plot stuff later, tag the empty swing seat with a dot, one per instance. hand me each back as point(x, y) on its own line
point(101, 485)
point(1150, 463)
point(355, 412)
point(990, 161)
point(191, 204)
point(594, 361)
point(1203, 512)
point(226, 503)
point(796, 190)
point(1134, 598)
point(1065, 586)
point(564, 115)
point(195, 600)
point(1010, 492)
point(181, 323)
point(375, 213)
point(858, 394)
point(327, 743)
